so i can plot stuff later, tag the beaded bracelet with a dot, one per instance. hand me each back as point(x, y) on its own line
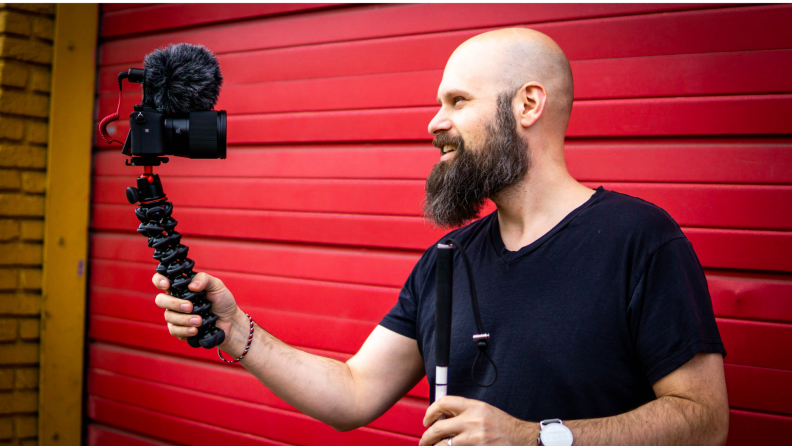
point(247, 347)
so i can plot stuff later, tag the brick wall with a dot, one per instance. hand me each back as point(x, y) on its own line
point(26, 33)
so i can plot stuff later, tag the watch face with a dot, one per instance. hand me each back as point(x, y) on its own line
point(556, 435)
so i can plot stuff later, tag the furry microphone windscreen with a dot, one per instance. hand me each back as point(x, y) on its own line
point(181, 78)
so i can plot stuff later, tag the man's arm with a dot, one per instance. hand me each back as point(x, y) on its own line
point(691, 409)
point(343, 395)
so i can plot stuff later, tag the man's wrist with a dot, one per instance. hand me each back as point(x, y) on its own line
point(238, 334)
point(529, 433)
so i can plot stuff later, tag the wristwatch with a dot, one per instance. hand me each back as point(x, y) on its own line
point(554, 433)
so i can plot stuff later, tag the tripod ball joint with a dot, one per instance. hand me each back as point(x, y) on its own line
point(157, 224)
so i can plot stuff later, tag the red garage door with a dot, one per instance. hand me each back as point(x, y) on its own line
point(314, 219)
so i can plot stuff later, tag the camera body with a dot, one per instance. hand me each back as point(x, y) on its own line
point(196, 135)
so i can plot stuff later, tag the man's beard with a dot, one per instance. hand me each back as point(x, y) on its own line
point(457, 189)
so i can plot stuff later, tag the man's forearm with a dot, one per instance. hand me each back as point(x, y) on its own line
point(665, 421)
point(320, 387)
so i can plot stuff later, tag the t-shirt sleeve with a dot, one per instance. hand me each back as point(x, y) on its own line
point(670, 313)
point(403, 316)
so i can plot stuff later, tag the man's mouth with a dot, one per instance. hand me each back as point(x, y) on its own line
point(448, 148)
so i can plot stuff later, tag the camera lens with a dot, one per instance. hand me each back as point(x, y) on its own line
point(207, 134)
point(197, 135)
point(177, 135)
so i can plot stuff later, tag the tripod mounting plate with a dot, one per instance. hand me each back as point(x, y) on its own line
point(147, 161)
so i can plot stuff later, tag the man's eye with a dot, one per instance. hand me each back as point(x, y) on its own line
point(458, 99)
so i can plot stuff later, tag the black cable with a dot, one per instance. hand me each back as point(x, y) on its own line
point(482, 348)
point(472, 285)
point(481, 337)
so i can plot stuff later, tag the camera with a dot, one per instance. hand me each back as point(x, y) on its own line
point(196, 135)
point(157, 133)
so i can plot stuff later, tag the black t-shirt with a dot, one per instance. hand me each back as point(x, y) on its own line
point(583, 320)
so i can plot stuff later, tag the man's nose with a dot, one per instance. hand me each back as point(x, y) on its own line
point(439, 123)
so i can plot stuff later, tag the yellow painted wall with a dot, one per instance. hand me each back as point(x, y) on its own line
point(26, 34)
point(67, 204)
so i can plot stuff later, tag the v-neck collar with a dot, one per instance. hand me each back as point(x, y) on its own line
point(509, 256)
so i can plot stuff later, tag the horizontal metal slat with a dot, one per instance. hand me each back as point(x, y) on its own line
point(344, 336)
point(706, 116)
point(761, 389)
point(348, 301)
point(181, 428)
point(751, 296)
point(742, 249)
point(110, 7)
point(361, 266)
point(716, 206)
point(728, 160)
point(164, 17)
point(751, 428)
point(381, 197)
point(716, 248)
point(100, 435)
point(715, 160)
point(377, 160)
point(758, 344)
point(155, 337)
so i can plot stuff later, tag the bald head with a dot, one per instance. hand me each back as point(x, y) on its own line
point(507, 59)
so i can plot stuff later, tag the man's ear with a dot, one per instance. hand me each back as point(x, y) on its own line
point(532, 100)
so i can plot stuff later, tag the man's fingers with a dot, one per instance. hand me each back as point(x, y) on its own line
point(182, 332)
point(440, 430)
point(431, 416)
point(181, 319)
point(450, 405)
point(199, 282)
point(168, 302)
point(203, 281)
point(160, 281)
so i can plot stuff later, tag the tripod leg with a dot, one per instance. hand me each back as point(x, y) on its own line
point(156, 223)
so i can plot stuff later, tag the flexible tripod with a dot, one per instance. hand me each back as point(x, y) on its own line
point(154, 212)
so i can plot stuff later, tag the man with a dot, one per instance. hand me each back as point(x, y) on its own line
point(597, 306)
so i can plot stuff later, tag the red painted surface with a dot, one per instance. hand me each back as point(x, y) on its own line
point(314, 219)
point(367, 22)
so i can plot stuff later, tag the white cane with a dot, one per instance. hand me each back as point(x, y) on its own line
point(445, 279)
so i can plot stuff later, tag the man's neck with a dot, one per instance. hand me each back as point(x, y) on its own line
point(530, 209)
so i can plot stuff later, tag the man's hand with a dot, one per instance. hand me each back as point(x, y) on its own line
point(181, 324)
point(471, 422)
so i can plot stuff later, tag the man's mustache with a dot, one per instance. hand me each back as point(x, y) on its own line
point(444, 139)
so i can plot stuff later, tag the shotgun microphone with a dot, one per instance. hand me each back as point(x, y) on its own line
point(181, 78)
